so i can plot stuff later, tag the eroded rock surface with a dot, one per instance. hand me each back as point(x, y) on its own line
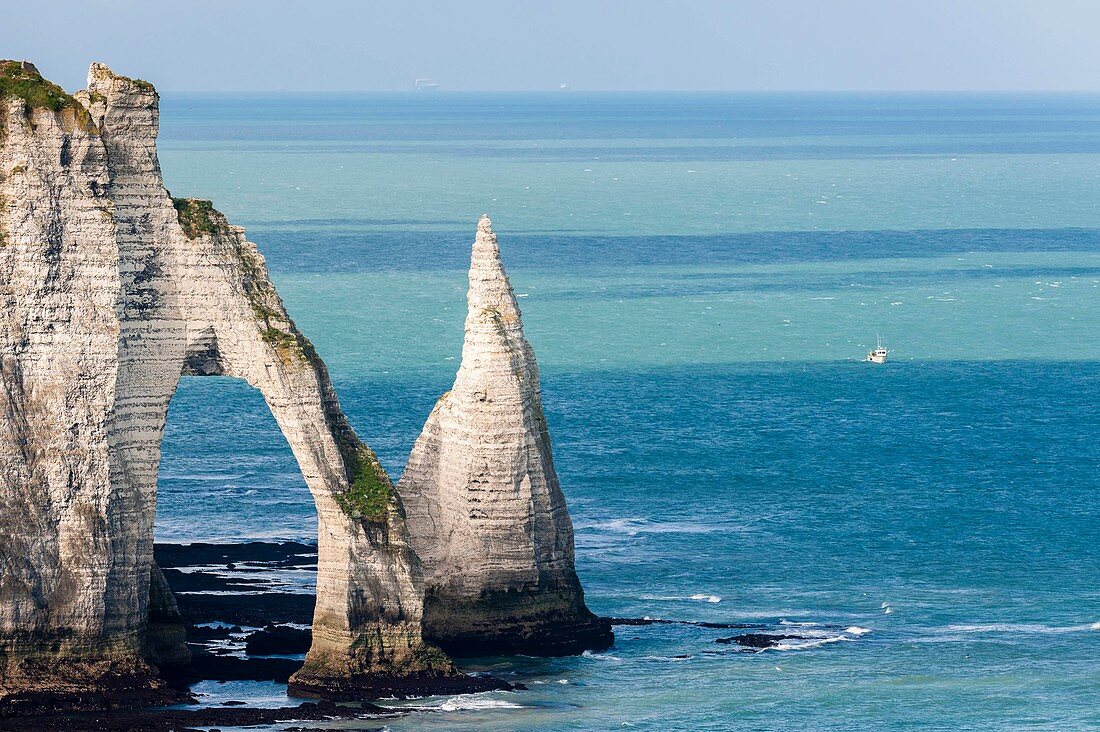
point(109, 290)
point(484, 507)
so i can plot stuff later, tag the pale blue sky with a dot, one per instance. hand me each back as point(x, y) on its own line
point(589, 44)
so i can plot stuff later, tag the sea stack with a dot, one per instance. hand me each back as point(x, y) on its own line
point(484, 507)
point(110, 290)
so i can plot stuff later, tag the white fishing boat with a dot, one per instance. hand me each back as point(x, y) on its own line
point(426, 85)
point(878, 353)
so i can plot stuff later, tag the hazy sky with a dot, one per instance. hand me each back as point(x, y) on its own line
point(589, 44)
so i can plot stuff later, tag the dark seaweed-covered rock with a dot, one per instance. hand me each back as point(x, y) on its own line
point(230, 668)
point(758, 640)
point(256, 610)
point(275, 554)
point(184, 720)
point(695, 623)
point(376, 686)
point(211, 582)
point(277, 639)
point(200, 633)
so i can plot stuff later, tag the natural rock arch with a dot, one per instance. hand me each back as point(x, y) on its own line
point(109, 291)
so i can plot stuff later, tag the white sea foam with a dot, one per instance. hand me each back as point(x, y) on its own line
point(708, 598)
point(1028, 628)
point(682, 598)
point(817, 637)
point(470, 703)
point(195, 477)
point(633, 526)
point(223, 593)
point(804, 644)
point(220, 624)
point(600, 656)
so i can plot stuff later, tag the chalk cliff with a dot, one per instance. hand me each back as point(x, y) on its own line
point(485, 510)
point(109, 290)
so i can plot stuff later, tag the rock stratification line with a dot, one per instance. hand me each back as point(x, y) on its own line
point(109, 290)
point(484, 507)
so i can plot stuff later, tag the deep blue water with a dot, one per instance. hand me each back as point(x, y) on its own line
point(700, 275)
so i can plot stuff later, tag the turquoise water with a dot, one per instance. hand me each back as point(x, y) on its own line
point(700, 276)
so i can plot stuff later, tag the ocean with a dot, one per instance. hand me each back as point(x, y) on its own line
point(700, 276)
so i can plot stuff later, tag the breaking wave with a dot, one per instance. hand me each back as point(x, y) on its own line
point(1029, 628)
point(470, 703)
point(816, 638)
point(635, 526)
point(698, 597)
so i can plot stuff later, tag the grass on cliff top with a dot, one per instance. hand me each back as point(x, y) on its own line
point(197, 217)
point(24, 82)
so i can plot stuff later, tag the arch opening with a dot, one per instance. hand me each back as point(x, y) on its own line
point(236, 538)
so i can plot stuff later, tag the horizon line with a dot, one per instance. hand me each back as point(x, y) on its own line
point(436, 92)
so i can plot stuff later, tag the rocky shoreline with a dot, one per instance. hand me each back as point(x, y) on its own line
point(191, 720)
point(247, 609)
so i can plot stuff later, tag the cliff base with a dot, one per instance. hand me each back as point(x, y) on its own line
point(382, 686)
point(508, 623)
point(59, 686)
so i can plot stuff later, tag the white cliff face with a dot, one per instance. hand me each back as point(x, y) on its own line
point(484, 507)
point(109, 290)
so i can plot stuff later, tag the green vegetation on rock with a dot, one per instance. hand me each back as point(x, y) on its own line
point(431, 657)
point(369, 489)
point(197, 217)
point(279, 338)
point(20, 80)
point(23, 81)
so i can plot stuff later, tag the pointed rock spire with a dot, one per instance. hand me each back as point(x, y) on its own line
point(484, 507)
point(489, 286)
point(109, 290)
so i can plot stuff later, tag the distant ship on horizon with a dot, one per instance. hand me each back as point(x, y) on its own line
point(426, 85)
